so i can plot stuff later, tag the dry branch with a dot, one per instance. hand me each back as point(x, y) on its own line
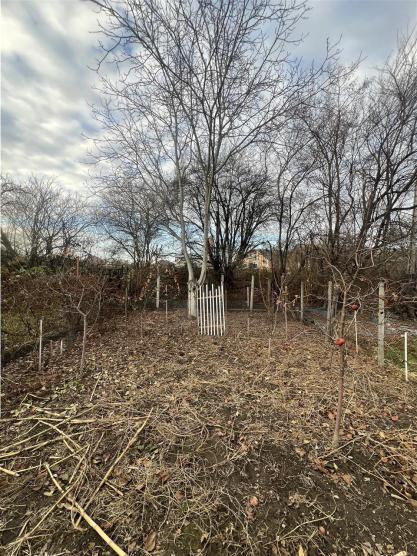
point(75, 506)
point(116, 461)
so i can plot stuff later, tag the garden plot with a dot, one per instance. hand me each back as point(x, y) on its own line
point(168, 442)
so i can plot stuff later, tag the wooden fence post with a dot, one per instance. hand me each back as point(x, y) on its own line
point(158, 287)
point(406, 355)
point(329, 309)
point(302, 301)
point(335, 302)
point(252, 289)
point(40, 345)
point(381, 323)
point(355, 320)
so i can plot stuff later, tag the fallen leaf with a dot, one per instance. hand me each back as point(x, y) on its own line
point(150, 542)
point(253, 501)
point(300, 452)
point(301, 551)
point(413, 503)
point(394, 418)
point(164, 476)
point(347, 478)
point(322, 530)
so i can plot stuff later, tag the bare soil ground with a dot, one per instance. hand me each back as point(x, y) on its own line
point(224, 448)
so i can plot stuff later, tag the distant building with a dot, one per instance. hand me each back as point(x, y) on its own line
point(256, 259)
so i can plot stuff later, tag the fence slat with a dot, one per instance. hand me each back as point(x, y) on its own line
point(207, 312)
point(224, 320)
point(217, 311)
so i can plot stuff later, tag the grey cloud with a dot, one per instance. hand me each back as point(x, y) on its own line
point(47, 86)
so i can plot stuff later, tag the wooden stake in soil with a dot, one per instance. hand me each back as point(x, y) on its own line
point(381, 323)
point(84, 341)
point(286, 320)
point(329, 311)
point(126, 296)
point(355, 322)
point(166, 303)
point(40, 345)
point(252, 289)
point(61, 346)
point(269, 348)
point(406, 355)
point(158, 287)
point(336, 292)
point(302, 301)
point(247, 296)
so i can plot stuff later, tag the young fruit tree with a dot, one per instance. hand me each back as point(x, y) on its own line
point(81, 301)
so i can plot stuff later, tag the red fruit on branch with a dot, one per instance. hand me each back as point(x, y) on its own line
point(354, 306)
point(340, 341)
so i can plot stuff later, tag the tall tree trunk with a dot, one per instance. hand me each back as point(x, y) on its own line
point(206, 224)
point(413, 237)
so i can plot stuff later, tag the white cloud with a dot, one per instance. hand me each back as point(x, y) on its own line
point(48, 46)
point(47, 87)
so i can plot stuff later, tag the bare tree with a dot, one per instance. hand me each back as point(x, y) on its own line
point(43, 220)
point(334, 123)
point(130, 218)
point(240, 209)
point(294, 201)
point(202, 80)
point(388, 169)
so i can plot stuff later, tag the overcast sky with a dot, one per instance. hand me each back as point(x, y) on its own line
point(48, 46)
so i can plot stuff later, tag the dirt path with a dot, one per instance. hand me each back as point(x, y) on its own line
point(234, 459)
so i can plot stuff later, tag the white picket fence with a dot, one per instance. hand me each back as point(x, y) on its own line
point(210, 310)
